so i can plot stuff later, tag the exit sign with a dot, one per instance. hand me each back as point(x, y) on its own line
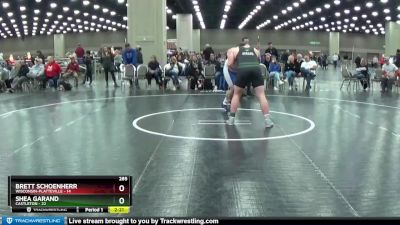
point(315, 43)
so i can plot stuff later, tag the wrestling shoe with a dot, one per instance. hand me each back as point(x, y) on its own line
point(268, 122)
point(226, 107)
point(231, 121)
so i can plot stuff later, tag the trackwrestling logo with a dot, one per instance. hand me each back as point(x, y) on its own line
point(9, 220)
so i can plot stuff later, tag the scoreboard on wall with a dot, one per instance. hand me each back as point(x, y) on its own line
point(70, 194)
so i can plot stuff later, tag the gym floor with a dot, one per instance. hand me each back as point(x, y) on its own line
point(331, 153)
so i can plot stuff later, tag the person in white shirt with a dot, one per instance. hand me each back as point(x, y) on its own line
point(308, 69)
point(390, 71)
point(335, 59)
point(173, 69)
point(36, 70)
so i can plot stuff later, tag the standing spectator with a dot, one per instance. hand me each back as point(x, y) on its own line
point(52, 71)
point(308, 69)
point(275, 73)
point(40, 55)
point(290, 71)
point(80, 53)
point(118, 61)
point(130, 55)
point(107, 60)
point(335, 59)
point(357, 61)
point(4, 75)
point(397, 58)
point(154, 71)
point(72, 70)
point(389, 75)
point(207, 52)
point(285, 56)
point(271, 50)
point(88, 60)
point(324, 61)
point(139, 56)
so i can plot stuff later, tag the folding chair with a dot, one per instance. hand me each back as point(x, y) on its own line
point(129, 74)
point(209, 73)
point(141, 73)
point(377, 78)
point(346, 76)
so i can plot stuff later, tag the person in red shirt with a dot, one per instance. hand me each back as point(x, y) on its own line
point(52, 71)
point(72, 70)
point(80, 52)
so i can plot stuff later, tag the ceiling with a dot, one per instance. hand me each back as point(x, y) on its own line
point(19, 18)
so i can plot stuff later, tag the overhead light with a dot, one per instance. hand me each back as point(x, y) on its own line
point(296, 4)
point(384, 1)
point(10, 14)
point(357, 8)
point(369, 4)
point(327, 6)
point(386, 11)
point(318, 10)
point(36, 11)
point(76, 12)
point(275, 17)
point(95, 6)
point(388, 18)
point(105, 10)
point(6, 5)
point(22, 8)
point(65, 9)
point(323, 19)
point(53, 5)
point(364, 16)
point(375, 13)
point(346, 11)
point(113, 13)
point(86, 2)
point(121, 1)
point(85, 14)
point(337, 14)
point(336, 2)
point(355, 18)
point(23, 16)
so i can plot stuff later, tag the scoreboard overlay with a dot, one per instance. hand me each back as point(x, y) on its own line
point(70, 194)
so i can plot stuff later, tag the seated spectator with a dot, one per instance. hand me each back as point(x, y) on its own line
point(375, 62)
point(88, 60)
point(275, 73)
point(195, 72)
point(36, 70)
point(13, 74)
point(52, 71)
point(218, 76)
point(290, 71)
point(267, 60)
point(363, 74)
point(154, 71)
point(308, 69)
point(20, 78)
point(72, 70)
point(4, 75)
point(173, 69)
point(389, 75)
